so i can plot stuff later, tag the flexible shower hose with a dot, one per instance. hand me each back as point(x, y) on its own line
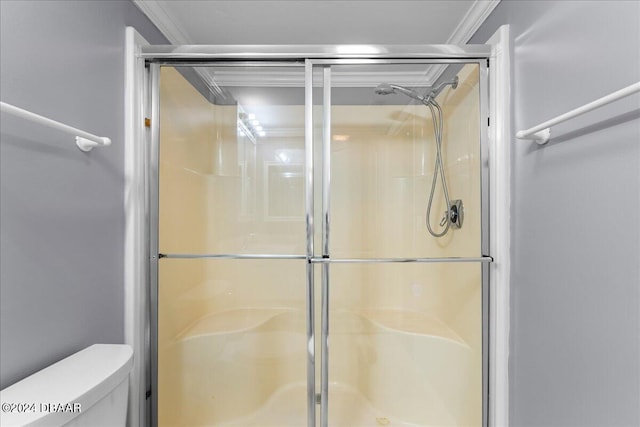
point(438, 169)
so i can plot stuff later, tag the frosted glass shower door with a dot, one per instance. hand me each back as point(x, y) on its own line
point(232, 274)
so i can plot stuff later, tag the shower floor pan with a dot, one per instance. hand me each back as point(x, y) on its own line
point(347, 408)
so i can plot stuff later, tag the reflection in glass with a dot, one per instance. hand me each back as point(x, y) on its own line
point(231, 176)
point(281, 181)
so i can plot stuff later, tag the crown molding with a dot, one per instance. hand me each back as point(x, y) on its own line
point(167, 26)
point(473, 19)
point(475, 16)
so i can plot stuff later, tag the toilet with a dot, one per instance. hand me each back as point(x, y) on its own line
point(88, 388)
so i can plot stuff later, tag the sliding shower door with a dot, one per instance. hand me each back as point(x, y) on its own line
point(232, 278)
point(402, 249)
point(320, 233)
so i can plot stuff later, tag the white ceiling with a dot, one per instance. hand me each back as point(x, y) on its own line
point(317, 22)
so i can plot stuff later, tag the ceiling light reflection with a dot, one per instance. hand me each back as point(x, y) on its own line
point(357, 49)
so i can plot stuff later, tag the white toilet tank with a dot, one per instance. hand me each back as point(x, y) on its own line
point(88, 388)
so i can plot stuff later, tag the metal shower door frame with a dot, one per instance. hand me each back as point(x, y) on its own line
point(313, 56)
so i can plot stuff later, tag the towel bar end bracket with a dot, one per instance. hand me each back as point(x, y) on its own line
point(85, 144)
point(541, 137)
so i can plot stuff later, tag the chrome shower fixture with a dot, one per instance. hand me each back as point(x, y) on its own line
point(435, 92)
point(454, 215)
point(388, 89)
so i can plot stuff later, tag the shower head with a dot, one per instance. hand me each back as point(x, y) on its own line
point(387, 89)
point(384, 89)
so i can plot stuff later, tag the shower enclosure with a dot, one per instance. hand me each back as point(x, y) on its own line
point(294, 279)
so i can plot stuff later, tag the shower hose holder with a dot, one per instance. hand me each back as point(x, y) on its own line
point(456, 213)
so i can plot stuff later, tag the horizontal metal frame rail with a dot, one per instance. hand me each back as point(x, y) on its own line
point(398, 260)
point(232, 256)
point(325, 260)
point(275, 52)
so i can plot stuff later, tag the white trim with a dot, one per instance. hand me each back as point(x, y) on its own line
point(472, 20)
point(161, 19)
point(135, 263)
point(500, 225)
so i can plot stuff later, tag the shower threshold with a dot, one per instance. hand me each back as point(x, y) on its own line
point(348, 408)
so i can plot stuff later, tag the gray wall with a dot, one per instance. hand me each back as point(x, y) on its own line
point(62, 214)
point(575, 303)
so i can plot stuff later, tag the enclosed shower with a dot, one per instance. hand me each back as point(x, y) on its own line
point(313, 263)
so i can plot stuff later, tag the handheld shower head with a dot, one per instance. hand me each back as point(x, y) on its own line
point(384, 89)
point(387, 89)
